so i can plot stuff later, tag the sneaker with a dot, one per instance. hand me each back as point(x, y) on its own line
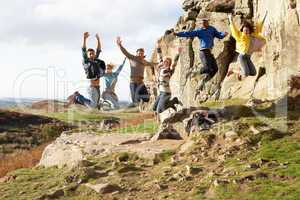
point(173, 107)
point(176, 101)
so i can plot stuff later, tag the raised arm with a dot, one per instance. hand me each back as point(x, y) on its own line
point(234, 31)
point(159, 54)
point(259, 24)
point(84, 54)
point(98, 49)
point(118, 71)
point(124, 51)
point(175, 61)
point(195, 33)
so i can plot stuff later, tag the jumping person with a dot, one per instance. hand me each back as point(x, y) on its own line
point(206, 35)
point(78, 98)
point(110, 81)
point(94, 69)
point(248, 40)
point(138, 90)
point(165, 71)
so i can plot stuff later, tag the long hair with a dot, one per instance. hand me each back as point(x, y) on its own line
point(248, 25)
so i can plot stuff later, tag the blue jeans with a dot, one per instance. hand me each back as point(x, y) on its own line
point(247, 66)
point(82, 100)
point(94, 93)
point(161, 102)
point(139, 92)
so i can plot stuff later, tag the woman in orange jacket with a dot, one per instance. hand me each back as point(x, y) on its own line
point(248, 40)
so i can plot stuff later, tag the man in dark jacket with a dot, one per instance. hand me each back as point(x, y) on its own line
point(94, 68)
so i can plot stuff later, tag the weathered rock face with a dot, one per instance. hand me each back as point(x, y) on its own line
point(72, 149)
point(275, 64)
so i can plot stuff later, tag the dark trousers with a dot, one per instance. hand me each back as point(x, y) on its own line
point(210, 67)
point(139, 92)
point(161, 102)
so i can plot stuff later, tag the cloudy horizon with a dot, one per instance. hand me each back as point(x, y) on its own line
point(41, 40)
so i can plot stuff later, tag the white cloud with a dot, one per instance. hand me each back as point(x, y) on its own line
point(42, 33)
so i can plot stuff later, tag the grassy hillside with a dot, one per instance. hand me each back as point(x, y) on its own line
point(262, 161)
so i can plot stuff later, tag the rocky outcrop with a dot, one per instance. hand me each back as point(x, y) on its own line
point(72, 149)
point(275, 64)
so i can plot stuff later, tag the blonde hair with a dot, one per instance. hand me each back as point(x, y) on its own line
point(110, 65)
point(169, 59)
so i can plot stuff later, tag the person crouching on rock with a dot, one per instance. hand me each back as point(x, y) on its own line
point(94, 69)
point(248, 40)
point(110, 80)
point(165, 71)
point(138, 90)
point(206, 35)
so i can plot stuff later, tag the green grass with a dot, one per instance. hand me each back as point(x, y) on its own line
point(32, 183)
point(260, 189)
point(149, 126)
point(282, 150)
point(74, 115)
point(222, 103)
point(287, 187)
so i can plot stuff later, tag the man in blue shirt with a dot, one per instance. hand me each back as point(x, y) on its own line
point(206, 35)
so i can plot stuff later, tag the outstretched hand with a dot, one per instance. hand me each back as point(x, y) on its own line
point(179, 50)
point(97, 36)
point(119, 41)
point(86, 35)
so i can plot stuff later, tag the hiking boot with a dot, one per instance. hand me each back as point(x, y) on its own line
point(173, 107)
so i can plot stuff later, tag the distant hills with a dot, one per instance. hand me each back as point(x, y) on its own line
point(7, 102)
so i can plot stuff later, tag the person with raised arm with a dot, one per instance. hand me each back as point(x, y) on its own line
point(110, 80)
point(165, 71)
point(94, 69)
point(206, 34)
point(248, 40)
point(138, 90)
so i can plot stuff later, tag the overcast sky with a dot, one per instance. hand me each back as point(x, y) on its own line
point(40, 41)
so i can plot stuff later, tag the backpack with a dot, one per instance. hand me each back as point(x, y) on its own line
point(95, 71)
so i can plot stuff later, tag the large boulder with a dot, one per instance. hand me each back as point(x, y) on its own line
point(72, 149)
point(275, 64)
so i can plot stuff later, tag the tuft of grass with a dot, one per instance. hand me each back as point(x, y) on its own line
point(32, 183)
point(282, 150)
point(148, 126)
point(165, 155)
point(222, 103)
point(75, 115)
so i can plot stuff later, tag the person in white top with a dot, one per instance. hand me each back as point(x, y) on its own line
point(165, 71)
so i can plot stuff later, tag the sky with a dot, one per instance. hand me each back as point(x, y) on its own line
point(40, 41)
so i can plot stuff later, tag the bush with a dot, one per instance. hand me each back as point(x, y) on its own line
point(50, 131)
